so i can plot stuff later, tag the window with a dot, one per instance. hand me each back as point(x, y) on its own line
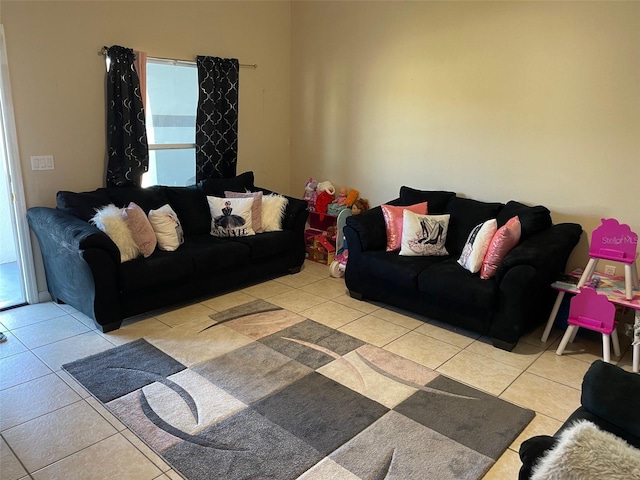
point(172, 98)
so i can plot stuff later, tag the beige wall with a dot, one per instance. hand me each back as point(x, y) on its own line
point(57, 78)
point(533, 101)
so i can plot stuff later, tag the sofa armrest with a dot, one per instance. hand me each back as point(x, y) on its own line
point(295, 215)
point(613, 394)
point(80, 261)
point(547, 251)
point(367, 231)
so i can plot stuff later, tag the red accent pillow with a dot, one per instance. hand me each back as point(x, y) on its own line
point(502, 242)
point(393, 222)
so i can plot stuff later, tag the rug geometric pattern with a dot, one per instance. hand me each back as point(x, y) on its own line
point(297, 399)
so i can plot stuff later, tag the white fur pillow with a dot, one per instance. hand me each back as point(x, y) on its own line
point(273, 208)
point(109, 219)
point(586, 452)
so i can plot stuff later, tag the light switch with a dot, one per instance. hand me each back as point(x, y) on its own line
point(42, 162)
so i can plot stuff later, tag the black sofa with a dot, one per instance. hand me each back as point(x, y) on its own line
point(610, 400)
point(82, 264)
point(504, 307)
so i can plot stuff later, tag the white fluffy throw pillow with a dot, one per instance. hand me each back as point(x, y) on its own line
point(167, 227)
point(586, 452)
point(109, 219)
point(273, 208)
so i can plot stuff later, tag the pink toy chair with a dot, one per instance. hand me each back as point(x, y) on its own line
point(616, 242)
point(593, 311)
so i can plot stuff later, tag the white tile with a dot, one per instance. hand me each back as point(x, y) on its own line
point(29, 400)
point(114, 457)
point(11, 345)
point(374, 330)
point(55, 435)
point(57, 354)
point(10, 466)
point(228, 300)
point(332, 314)
point(29, 314)
point(21, 368)
point(136, 330)
point(50, 331)
point(422, 349)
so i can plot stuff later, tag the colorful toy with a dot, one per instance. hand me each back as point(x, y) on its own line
point(322, 201)
point(360, 205)
point(342, 196)
point(326, 186)
point(351, 197)
point(311, 193)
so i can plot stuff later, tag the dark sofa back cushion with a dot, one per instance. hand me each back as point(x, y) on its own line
point(466, 214)
point(437, 200)
point(146, 198)
point(217, 186)
point(84, 204)
point(532, 219)
point(190, 204)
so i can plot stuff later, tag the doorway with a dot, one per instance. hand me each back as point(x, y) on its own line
point(17, 274)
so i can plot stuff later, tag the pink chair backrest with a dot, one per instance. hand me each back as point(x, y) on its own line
point(592, 310)
point(613, 241)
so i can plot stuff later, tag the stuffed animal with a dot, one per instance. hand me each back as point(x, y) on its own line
point(311, 193)
point(351, 197)
point(326, 187)
point(360, 205)
point(323, 200)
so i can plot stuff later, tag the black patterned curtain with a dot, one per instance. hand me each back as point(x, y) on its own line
point(128, 153)
point(217, 118)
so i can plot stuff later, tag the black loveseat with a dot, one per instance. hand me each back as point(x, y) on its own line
point(504, 307)
point(610, 400)
point(82, 264)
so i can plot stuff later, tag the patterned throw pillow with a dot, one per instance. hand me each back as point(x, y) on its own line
point(477, 245)
point(167, 227)
point(502, 242)
point(109, 219)
point(140, 228)
point(256, 209)
point(424, 235)
point(393, 222)
point(231, 217)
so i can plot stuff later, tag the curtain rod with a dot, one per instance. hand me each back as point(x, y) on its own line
point(103, 51)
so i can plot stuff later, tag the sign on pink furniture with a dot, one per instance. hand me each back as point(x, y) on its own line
point(616, 242)
point(593, 311)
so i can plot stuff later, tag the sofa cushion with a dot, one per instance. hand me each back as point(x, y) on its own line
point(532, 219)
point(231, 217)
point(167, 226)
point(211, 255)
point(424, 235)
point(141, 230)
point(394, 220)
point(268, 244)
point(449, 281)
point(82, 204)
point(465, 215)
point(504, 240)
point(147, 198)
point(190, 204)
point(159, 269)
point(217, 186)
point(477, 245)
point(256, 208)
point(401, 272)
point(437, 200)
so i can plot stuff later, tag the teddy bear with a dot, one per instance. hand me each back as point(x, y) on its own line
point(360, 205)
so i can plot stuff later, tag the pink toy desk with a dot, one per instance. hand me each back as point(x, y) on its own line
point(614, 288)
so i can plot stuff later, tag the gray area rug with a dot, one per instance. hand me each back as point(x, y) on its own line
point(263, 393)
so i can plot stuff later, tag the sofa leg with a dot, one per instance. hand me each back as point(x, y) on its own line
point(295, 270)
point(502, 345)
point(109, 327)
point(356, 295)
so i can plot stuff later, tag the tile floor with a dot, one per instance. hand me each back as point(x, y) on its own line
point(51, 428)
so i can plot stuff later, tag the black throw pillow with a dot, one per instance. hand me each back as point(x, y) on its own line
point(217, 186)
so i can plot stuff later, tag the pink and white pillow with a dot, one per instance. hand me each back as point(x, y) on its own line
point(140, 228)
point(424, 235)
point(393, 220)
point(504, 240)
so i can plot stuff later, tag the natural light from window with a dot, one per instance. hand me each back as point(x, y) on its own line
point(172, 97)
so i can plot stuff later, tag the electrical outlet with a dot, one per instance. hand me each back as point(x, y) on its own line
point(609, 270)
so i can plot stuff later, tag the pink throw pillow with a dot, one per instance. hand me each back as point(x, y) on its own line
point(502, 242)
point(256, 209)
point(140, 228)
point(393, 222)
